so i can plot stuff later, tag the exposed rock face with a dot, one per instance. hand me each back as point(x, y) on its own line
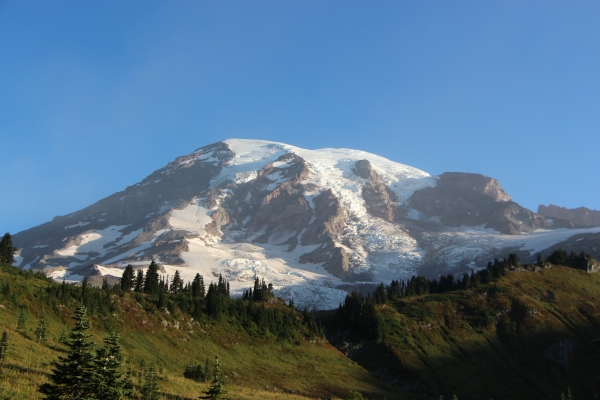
point(580, 217)
point(379, 199)
point(477, 183)
point(141, 207)
point(472, 199)
point(309, 221)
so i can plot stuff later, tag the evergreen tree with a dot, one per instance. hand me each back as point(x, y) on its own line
point(42, 330)
point(84, 289)
point(108, 383)
point(176, 283)
point(352, 395)
point(72, 376)
point(195, 372)
point(540, 260)
point(206, 370)
point(3, 347)
point(152, 279)
point(198, 289)
point(149, 388)
point(21, 321)
point(139, 281)
point(128, 279)
point(216, 389)
point(214, 301)
point(7, 250)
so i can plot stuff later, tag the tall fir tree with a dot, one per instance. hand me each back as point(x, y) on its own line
point(206, 370)
point(198, 289)
point(21, 321)
point(84, 289)
point(41, 332)
point(216, 391)
point(7, 250)
point(3, 347)
point(176, 283)
point(151, 282)
point(108, 381)
point(149, 388)
point(139, 281)
point(214, 301)
point(73, 374)
point(128, 279)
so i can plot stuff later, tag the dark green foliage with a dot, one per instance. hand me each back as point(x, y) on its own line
point(198, 289)
point(259, 321)
point(42, 330)
point(261, 291)
point(216, 390)
point(73, 374)
point(128, 279)
point(152, 280)
point(539, 260)
point(214, 301)
point(513, 260)
point(195, 372)
point(352, 395)
point(223, 287)
point(108, 381)
point(176, 283)
point(3, 347)
point(139, 281)
point(561, 257)
point(84, 289)
point(7, 250)
point(21, 321)
point(207, 371)
point(359, 315)
point(149, 388)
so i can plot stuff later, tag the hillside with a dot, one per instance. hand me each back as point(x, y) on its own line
point(257, 364)
point(527, 335)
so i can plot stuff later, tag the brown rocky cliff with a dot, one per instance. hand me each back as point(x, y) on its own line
point(475, 182)
point(580, 217)
point(326, 228)
point(379, 199)
point(471, 199)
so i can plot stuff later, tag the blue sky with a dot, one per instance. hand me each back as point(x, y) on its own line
point(95, 95)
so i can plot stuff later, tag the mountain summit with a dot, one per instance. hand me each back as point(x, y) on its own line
point(312, 222)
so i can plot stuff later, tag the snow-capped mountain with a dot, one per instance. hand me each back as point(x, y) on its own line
point(312, 222)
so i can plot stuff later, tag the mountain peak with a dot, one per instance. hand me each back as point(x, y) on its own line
point(309, 221)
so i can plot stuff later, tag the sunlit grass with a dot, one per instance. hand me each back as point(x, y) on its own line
point(255, 368)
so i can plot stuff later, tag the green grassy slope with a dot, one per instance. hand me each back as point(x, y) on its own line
point(255, 367)
point(526, 336)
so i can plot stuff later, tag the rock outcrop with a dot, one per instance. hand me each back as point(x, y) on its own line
point(473, 200)
point(379, 199)
point(580, 217)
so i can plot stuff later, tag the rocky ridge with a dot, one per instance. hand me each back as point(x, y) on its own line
point(307, 220)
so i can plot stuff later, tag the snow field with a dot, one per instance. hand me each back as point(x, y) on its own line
point(193, 218)
point(97, 240)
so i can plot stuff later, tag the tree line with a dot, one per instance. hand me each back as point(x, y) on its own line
point(358, 313)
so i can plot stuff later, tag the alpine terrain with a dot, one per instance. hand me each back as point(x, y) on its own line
point(315, 223)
